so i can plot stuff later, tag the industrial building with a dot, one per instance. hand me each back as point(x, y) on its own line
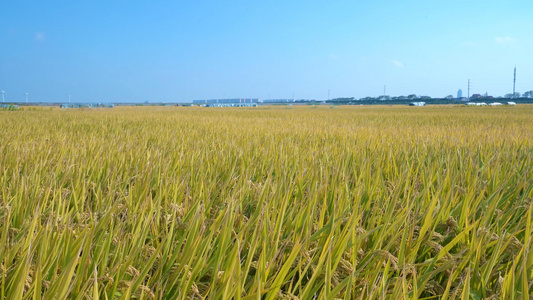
point(231, 105)
point(226, 101)
point(91, 105)
point(278, 101)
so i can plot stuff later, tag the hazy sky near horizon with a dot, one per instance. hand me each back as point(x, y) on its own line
point(138, 51)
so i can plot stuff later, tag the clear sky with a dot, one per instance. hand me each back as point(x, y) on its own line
point(183, 50)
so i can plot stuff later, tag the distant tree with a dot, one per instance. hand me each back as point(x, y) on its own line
point(449, 97)
point(384, 97)
point(516, 95)
point(528, 94)
point(367, 99)
point(425, 97)
point(346, 99)
point(402, 97)
point(412, 96)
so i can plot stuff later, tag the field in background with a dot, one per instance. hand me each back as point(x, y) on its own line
point(267, 203)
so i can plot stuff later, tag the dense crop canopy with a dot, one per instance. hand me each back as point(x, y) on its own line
point(267, 203)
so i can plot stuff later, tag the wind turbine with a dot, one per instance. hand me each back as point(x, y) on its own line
point(26, 97)
point(3, 92)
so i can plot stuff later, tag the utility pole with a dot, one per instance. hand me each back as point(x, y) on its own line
point(468, 89)
point(514, 81)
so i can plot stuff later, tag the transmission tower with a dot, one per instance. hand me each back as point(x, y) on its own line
point(514, 82)
point(468, 89)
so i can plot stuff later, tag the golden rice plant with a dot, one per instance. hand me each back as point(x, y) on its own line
point(267, 203)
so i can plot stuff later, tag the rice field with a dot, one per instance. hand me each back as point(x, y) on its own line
point(267, 203)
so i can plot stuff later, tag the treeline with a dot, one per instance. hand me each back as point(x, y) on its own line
point(385, 100)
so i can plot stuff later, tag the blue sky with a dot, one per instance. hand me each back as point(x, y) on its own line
point(120, 51)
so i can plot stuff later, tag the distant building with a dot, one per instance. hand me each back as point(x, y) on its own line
point(278, 101)
point(459, 94)
point(226, 101)
point(479, 96)
point(231, 105)
point(91, 105)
